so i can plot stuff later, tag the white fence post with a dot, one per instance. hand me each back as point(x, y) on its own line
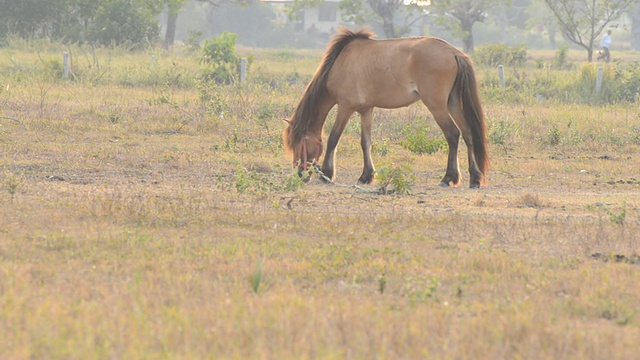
point(599, 81)
point(501, 75)
point(65, 64)
point(243, 69)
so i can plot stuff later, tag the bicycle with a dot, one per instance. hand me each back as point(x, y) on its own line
point(603, 55)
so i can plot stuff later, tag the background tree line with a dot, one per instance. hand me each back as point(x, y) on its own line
point(135, 23)
point(105, 22)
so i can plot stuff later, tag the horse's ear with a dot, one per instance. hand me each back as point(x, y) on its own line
point(287, 121)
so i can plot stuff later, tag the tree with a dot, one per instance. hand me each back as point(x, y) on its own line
point(104, 22)
point(459, 16)
point(582, 21)
point(540, 14)
point(31, 18)
point(120, 22)
point(173, 9)
point(385, 12)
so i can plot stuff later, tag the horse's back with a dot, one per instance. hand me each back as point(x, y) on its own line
point(391, 73)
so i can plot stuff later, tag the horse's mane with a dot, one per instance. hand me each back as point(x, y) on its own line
point(307, 111)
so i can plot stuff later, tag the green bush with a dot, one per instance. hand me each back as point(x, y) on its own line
point(219, 54)
point(400, 178)
point(493, 55)
point(626, 82)
point(560, 59)
point(419, 141)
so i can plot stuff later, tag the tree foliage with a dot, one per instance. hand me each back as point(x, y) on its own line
point(459, 16)
point(124, 22)
point(385, 12)
point(99, 21)
point(582, 21)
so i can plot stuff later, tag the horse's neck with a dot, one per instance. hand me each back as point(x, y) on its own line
point(324, 104)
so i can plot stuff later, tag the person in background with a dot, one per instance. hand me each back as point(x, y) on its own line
point(605, 43)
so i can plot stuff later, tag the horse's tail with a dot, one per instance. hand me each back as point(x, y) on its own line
point(467, 89)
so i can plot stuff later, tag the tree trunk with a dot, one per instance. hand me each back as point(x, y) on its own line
point(552, 38)
point(388, 28)
point(468, 43)
point(170, 35)
point(634, 14)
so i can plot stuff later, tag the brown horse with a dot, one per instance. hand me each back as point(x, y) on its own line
point(358, 73)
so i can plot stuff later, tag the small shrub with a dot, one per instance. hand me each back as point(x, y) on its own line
point(553, 136)
point(219, 54)
point(560, 59)
point(500, 133)
point(529, 200)
point(617, 218)
point(418, 141)
point(256, 277)
point(399, 178)
point(260, 182)
point(493, 55)
point(11, 184)
point(294, 181)
point(626, 82)
point(381, 148)
point(193, 42)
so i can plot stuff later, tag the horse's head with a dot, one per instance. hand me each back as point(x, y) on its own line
point(306, 150)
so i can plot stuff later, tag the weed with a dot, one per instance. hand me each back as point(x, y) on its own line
point(553, 136)
point(419, 142)
point(260, 182)
point(294, 181)
point(422, 290)
point(381, 148)
point(382, 283)
point(625, 320)
point(399, 178)
point(256, 278)
point(560, 60)
point(530, 200)
point(501, 133)
point(11, 183)
point(616, 218)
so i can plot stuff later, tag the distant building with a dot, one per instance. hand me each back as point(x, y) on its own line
point(324, 18)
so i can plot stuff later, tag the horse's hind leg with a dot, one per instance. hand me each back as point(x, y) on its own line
point(475, 176)
point(452, 135)
point(366, 123)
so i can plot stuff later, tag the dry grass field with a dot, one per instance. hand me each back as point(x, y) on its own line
point(146, 222)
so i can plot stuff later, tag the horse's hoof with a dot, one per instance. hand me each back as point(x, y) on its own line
point(443, 184)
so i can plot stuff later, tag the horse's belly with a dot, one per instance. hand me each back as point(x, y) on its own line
point(396, 98)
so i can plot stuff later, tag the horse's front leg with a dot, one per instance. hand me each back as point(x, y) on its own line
point(328, 165)
point(366, 123)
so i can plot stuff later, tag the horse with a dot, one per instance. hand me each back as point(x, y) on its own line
point(358, 73)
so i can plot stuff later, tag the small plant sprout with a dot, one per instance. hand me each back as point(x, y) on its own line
point(11, 184)
point(256, 277)
point(382, 284)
